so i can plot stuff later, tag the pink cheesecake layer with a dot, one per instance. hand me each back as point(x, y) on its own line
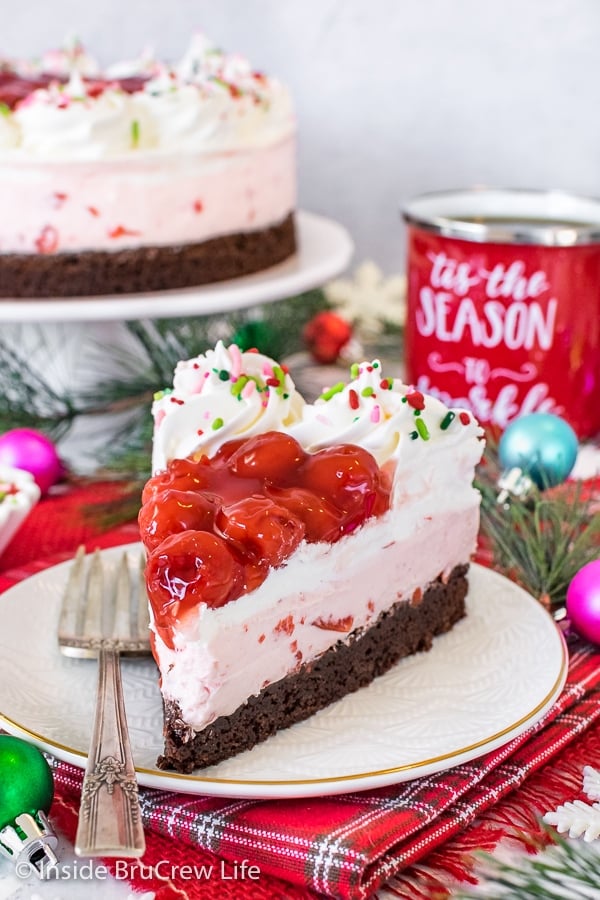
point(324, 592)
point(155, 200)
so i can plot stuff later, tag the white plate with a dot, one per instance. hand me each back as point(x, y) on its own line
point(324, 250)
point(483, 683)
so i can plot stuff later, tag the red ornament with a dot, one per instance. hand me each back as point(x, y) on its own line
point(326, 335)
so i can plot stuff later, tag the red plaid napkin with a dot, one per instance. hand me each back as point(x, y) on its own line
point(344, 846)
point(347, 846)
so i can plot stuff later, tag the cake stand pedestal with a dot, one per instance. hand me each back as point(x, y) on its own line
point(77, 343)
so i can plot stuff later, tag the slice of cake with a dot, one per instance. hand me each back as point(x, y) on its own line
point(296, 551)
point(144, 176)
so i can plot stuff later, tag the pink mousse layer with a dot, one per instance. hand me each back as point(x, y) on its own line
point(153, 200)
point(223, 656)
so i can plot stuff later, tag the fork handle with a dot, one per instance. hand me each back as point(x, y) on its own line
point(110, 821)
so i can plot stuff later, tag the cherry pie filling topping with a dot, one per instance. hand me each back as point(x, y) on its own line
point(214, 527)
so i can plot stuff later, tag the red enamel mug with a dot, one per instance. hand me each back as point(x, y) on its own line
point(504, 303)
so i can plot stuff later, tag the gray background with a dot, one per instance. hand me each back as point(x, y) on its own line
point(393, 97)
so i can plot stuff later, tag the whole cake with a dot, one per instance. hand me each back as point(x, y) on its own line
point(144, 176)
point(296, 551)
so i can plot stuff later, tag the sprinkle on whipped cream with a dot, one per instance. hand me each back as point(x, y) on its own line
point(248, 393)
point(63, 104)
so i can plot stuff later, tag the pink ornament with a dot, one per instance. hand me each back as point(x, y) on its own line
point(583, 602)
point(24, 448)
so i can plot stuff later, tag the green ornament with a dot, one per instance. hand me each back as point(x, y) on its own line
point(254, 334)
point(26, 792)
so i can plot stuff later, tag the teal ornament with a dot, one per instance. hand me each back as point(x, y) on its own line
point(26, 792)
point(542, 446)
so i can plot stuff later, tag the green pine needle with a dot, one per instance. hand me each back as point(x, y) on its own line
point(566, 871)
point(542, 540)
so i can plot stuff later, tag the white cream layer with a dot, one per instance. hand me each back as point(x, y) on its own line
point(148, 200)
point(223, 656)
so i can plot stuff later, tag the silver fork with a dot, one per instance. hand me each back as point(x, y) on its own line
point(104, 619)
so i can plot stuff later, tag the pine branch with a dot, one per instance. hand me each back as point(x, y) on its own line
point(564, 872)
point(542, 540)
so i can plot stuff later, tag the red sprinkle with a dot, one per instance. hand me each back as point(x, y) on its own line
point(59, 199)
point(261, 638)
point(273, 382)
point(93, 211)
point(198, 206)
point(464, 417)
point(177, 400)
point(353, 399)
point(416, 400)
point(384, 384)
point(200, 431)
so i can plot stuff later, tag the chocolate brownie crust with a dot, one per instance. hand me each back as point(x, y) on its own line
point(404, 629)
point(93, 273)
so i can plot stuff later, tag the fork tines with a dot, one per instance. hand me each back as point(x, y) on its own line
point(103, 608)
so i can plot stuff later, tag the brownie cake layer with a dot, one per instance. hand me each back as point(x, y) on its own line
point(404, 629)
point(92, 273)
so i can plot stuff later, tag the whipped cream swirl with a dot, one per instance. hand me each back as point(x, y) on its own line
point(226, 394)
point(219, 396)
point(386, 417)
point(210, 102)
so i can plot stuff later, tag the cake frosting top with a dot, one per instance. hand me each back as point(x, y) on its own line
point(226, 394)
point(64, 106)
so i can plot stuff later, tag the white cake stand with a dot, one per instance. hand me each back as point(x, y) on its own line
point(324, 250)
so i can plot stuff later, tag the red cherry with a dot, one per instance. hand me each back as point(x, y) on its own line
point(321, 519)
point(181, 475)
point(345, 474)
point(226, 450)
point(172, 511)
point(189, 568)
point(265, 530)
point(272, 456)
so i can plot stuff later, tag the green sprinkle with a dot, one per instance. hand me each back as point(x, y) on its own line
point(416, 412)
point(160, 394)
point(375, 365)
point(135, 133)
point(332, 391)
point(447, 420)
point(422, 429)
point(279, 373)
point(354, 370)
point(238, 386)
point(367, 392)
point(404, 400)
point(4, 109)
point(260, 385)
point(414, 435)
point(224, 375)
point(218, 423)
point(286, 396)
